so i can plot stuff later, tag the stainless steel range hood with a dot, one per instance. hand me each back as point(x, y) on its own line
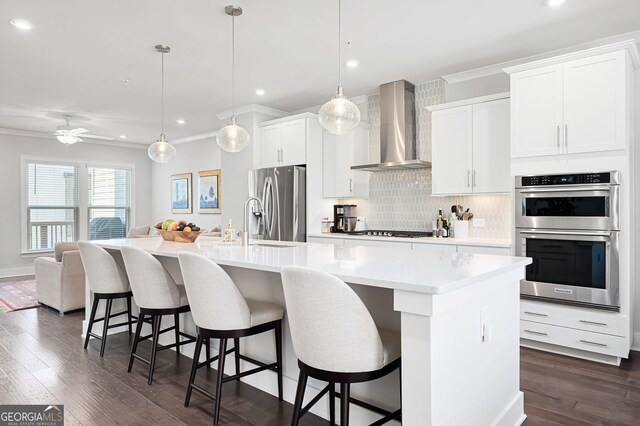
point(397, 130)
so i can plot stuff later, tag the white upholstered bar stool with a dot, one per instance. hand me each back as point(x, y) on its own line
point(107, 281)
point(221, 312)
point(156, 294)
point(335, 340)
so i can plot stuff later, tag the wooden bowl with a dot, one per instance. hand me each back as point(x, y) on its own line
point(179, 236)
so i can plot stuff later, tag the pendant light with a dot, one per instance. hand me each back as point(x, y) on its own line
point(339, 115)
point(162, 151)
point(233, 138)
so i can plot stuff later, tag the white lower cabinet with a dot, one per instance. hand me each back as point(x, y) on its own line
point(499, 251)
point(325, 240)
point(600, 332)
point(377, 243)
point(434, 248)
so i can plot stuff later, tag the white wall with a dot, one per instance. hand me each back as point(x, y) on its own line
point(191, 157)
point(12, 147)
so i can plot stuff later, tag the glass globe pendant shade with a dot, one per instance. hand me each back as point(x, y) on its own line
point(233, 138)
point(68, 139)
point(339, 115)
point(161, 151)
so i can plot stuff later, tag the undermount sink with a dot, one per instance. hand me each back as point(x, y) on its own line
point(272, 245)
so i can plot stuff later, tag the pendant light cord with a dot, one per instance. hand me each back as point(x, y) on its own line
point(233, 66)
point(339, 44)
point(162, 127)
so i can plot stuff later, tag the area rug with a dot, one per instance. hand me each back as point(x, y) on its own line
point(18, 295)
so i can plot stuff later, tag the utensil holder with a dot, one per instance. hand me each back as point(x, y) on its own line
point(461, 229)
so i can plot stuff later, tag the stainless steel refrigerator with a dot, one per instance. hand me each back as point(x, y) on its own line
point(283, 194)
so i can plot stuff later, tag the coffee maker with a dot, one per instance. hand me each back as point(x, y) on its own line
point(344, 217)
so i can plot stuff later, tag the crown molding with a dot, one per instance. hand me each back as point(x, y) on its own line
point(44, 135)
point(499, 68)
point(471, 101)
point(252, 108)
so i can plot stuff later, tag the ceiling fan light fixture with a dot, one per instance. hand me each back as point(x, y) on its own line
point(339, 115)
point(68, 139)
point(233, 138)
point(22, 24)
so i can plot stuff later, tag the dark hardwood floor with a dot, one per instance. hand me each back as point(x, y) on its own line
point(42, 361)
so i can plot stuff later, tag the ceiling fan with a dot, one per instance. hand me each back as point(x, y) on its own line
point(69, 135)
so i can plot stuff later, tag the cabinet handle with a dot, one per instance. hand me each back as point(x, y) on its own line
point(537, 333)
point(350, 185)
point(474, 177)
point(594, 323)
point(566, 137)
point(588, 342)
point(536, 314)
point(558, 137)
point(468, 178)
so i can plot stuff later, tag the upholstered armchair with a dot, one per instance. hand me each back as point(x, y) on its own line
point(60, 279)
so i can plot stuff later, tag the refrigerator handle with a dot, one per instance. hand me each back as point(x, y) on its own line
point(296, 200)
point(277, 202)
point(267, 216)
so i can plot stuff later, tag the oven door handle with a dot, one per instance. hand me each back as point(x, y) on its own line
point(606, 188)
point(578, 233)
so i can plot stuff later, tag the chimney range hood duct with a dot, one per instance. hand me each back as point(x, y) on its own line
point(397, 130)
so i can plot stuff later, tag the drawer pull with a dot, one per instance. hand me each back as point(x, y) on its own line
point(587, 342)
point(536, 314)
point(594, 323)
point(537, 333)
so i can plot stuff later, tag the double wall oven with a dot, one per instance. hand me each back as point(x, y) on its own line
point(569, 225)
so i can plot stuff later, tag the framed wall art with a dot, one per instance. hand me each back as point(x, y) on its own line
point(181, 193)
point(209, 189)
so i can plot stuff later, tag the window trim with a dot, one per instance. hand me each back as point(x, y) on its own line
point(83, 197)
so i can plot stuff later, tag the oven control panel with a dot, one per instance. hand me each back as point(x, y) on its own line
point(570, 179)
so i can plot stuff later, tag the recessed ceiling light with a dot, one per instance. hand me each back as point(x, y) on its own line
point(180, 121)
point(123, 136)
point(553, 3)
point(260, 92)
point(352, 63)
point(22, 24)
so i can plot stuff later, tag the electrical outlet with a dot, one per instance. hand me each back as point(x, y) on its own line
point(477, 223)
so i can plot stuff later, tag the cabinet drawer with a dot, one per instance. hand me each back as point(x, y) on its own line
point(576, 318)
point(577, 339)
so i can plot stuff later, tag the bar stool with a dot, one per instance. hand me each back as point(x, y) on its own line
point(156, 294)
point(221, 312)
point(107, 281)
point(335, 340)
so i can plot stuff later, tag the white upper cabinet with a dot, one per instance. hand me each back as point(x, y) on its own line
point(470, 146)
point(574, 103)
point(339, 153)
point(283, 142)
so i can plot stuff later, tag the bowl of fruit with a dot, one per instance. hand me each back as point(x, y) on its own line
point(178, 231)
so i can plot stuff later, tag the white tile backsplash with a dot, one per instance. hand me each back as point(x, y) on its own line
point(402, 200)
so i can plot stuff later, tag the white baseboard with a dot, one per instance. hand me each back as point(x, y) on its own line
point(635, 345)
point(17, 272)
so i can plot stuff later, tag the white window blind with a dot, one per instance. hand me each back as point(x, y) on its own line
point(109, 202)
point(52, 204)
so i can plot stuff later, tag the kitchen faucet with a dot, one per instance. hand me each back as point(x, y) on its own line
point(247, 225)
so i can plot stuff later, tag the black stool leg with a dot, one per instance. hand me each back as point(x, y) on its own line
point(136, 338)
point(105, 329)
point(332, 404)
point(278, 333)
point(154, 345)
point(194, 368)
point(208, 351)
point(236, 347)
point(92, 317)
point(344, 403)
point(297, 407)
point(221, 356)
point(129, 318)
point(176, 321)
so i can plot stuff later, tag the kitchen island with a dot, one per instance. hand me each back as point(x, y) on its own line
point(458, 314)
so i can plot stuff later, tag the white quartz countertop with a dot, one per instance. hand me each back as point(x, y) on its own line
point(484, 242)
point(435, 273)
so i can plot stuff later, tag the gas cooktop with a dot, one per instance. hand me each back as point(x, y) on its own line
point(399, 234)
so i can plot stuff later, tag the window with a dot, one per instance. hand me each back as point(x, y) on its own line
point(68, 202)
point(108, 202)
point(52, 205)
